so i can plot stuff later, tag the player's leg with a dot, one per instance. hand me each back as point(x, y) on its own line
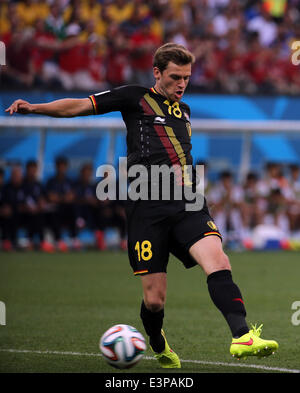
point(148, 250)
point(152, 314)
point(152, 308)
point(225, 294)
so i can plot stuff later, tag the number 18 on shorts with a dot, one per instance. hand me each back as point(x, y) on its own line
point(144, 254)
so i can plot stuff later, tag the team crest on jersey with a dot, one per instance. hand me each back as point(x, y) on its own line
point(212, 225)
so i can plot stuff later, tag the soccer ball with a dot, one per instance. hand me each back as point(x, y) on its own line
point(122, 346)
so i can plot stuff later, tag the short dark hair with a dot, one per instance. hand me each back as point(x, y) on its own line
point(175, 53)
point(61, 160)
point(225, 175)
point(31, 163)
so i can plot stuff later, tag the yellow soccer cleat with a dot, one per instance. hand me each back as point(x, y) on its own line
point(167, 358)
point(250, 344)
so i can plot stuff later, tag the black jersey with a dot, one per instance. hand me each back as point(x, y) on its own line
point(158, 131)
point(59, 186)
point(33, 191)
point(13, 195)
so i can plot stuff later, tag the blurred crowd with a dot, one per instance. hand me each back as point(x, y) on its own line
point(270, 201)
point(54, 213)
point(241, 46)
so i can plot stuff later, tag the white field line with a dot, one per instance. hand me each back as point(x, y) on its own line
point(203, 362)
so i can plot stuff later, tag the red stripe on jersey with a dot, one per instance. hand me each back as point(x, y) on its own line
point(164, 138)
point(94, 104)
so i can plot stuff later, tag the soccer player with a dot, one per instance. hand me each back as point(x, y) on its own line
point(159, 132)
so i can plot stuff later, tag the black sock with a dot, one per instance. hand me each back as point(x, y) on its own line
point(228, 299)
point(153, 322)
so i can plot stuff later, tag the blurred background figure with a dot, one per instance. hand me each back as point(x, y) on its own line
point(13, 201)
point(110, 213)
point(293, 207)
point(87, 205)
point(81, 44)
point(253, 213)
point(87, 46)
point(60, 208)
point(2, 210)
point(34, 208)
point(227, 204)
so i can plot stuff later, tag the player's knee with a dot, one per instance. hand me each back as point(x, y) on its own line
point(155, 303)
point(155, 306)
point(223, 262)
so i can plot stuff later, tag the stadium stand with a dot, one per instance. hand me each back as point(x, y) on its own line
point(84, 44)
point(56, 48)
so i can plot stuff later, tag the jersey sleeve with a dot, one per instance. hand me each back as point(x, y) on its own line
point(117, 99)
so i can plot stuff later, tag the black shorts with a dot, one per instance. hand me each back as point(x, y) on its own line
point(156, 228)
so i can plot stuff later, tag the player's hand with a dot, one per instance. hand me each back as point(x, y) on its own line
point(20, 106)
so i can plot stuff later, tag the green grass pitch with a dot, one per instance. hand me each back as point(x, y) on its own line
point(59, 305)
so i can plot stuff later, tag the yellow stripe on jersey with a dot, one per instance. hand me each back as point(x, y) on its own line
point(154, 105)
point(180, 153)
point(212, 233)
point(174, 141)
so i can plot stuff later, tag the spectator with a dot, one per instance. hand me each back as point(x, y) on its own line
point(19, 70)
point(34, 206)
point(234, 79)
point(61, 205)
point(117, 65)
point(120, 10)
point(142, 45)
point(276, 213)
point(72, 59)
point(55, 23)
point(216, 30)
point(252, 214)
point(31, 10)
point(2, 216)
point(45, 48)
point(90, 10)
point(13, 209)
point(228, 19)
point(294, 200)
point(5, 24)
point(110, 213)
point(255, 63)
point(264, 25)
point(273, 179)
point(86, 200)
point(226, 198)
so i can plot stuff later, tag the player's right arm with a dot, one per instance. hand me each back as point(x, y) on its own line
point(67, 107)
point(118, 99)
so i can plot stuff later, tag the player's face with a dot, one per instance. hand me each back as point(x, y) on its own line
point(173, 81)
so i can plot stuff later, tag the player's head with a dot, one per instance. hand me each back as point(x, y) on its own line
point(172, 69)
point(16, 175)
point(86, 172)
point(31, 169)
point(61, 165)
